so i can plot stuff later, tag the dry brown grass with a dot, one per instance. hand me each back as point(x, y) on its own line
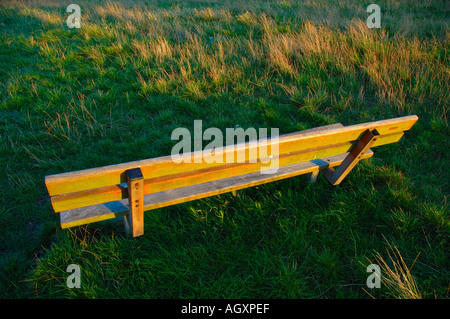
point(396, 275)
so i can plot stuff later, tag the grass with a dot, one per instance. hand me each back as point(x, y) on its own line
point(113, 91)
point(398, 277)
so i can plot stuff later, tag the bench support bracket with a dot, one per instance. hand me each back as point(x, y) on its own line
point(134, 221)
point(336, 176)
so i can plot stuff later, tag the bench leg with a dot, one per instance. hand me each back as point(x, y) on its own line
point(336, 176)
point(312, 177)
point(134, 221)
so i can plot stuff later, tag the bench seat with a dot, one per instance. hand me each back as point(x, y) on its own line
point(94, 213)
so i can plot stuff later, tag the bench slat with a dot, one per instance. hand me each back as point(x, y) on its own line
point(95, 213)
point(154, 185)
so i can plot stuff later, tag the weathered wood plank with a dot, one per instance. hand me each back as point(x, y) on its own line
point(153, 185)
point(134, 221)
point(312, 177)
point(81, 216)
point(156, 167)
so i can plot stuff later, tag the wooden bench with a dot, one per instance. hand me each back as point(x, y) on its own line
point(129, 189)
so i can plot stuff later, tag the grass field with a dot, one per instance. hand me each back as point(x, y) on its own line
point(114, 90)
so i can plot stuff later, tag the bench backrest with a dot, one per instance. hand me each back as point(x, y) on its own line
point(106, 184)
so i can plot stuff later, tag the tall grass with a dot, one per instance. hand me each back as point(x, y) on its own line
point(399, 278)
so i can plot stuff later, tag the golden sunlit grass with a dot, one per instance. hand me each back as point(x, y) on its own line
point(398, 277)
point(396, 274)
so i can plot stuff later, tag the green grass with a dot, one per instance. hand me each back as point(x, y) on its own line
point(114, 90)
